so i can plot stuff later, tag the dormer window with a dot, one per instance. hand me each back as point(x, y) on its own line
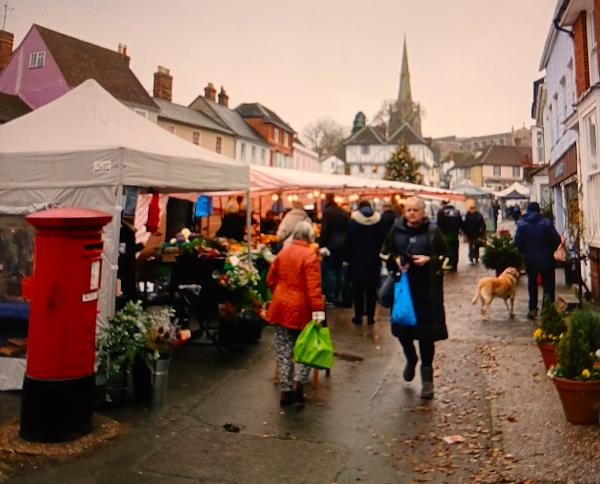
point(37, 59)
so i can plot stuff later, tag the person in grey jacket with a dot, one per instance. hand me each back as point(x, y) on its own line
point(290, 220)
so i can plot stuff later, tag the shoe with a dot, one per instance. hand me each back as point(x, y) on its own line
point(287, 398)
point(532, 314)
point(371, 321)
point(426, 382)
point(299, 393)
point(357, 321)
point(409, 370)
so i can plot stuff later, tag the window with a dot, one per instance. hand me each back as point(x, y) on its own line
point(374, 169)
point(253, 154)
point(243, 152)
point(142, 112)
point(592, 48)
point(286, 139)
point(549, 125)
point(592, 141)
point(364, 149)
point(468, 173)
point(361, 168)
point(540, 146)
point(516, 171)
point(276, 135)
point(263, 156)
point(37, 59)
point(196, 137)
point(497, 170)
point(563, 99)
point(219, 144)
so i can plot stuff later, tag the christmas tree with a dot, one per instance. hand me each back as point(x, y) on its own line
point(402, 166)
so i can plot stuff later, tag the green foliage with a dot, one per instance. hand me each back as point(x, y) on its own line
point(552, 322)
point(500, 253)
point(402, 166)
point(578, 348)
point(123, 340)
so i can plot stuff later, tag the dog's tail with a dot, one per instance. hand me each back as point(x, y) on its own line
point(476, 295)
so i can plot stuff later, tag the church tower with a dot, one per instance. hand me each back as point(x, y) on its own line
point(405, 110)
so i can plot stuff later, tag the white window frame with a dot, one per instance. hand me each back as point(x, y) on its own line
point(286, 138)
point(590, 124)
point(243, 151)
point(516, 172)
point(37, 59)
point(276, 135)
point(219, 144)
point(365, 149)
point(496, 170)
point(196, 138)
point(263, 156)
point(253, 154)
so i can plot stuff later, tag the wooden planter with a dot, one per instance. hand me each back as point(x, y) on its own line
point(548, 351)
point(580, 400)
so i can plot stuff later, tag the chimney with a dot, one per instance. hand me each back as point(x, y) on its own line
point(210, 92)
point(122, 49)
point(223, 98)
point(6, 47)
point(163, 84)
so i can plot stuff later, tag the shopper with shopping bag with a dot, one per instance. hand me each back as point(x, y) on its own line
point(295, 279)
point(314, 347)
point(418, 249)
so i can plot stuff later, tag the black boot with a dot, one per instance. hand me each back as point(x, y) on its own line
point(409, 370)
point(286, 398)
point(426, 382)
point(299, 393)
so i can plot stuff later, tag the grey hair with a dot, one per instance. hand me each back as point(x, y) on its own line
point(417, 200)
point(297, 204)
point(303, 231)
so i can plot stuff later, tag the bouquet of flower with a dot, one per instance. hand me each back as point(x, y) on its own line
point(162, 333)
point(188, 242)
point(237, 273)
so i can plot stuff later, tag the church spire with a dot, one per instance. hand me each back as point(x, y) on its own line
point(404, 93)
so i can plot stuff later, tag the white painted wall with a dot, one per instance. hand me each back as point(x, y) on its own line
point(305, 159)
point(250, 152)
point(332, 165)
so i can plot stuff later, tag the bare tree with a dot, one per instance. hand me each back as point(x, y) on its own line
point(325, 135)
point(383, 115)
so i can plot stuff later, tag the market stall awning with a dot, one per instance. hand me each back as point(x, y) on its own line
point(472, 190)
point(270, 180)
point(87, 138)
point(516, 191)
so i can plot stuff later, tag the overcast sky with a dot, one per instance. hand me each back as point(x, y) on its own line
point(472, 62)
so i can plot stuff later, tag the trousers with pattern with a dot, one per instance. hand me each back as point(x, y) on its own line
point(289, 372)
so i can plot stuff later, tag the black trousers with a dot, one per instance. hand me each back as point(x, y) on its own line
point(453, 246)
point(364, 295)
point(426, 350)
point(473, 248)
point(548, 283)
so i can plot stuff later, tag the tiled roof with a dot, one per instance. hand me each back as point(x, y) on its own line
point(257, 110)
point(407, 134)
point(504, 156)
point(228, 118)
point(365, 136)
point(79, 60)
point(189, 116)
point(462, 159)
point(11, 107)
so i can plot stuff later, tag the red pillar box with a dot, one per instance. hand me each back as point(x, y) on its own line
point(61, 348)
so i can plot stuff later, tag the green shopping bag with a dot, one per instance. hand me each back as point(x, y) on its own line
point(313, 347)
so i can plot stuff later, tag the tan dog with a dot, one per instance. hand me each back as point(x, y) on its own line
point(504, 286)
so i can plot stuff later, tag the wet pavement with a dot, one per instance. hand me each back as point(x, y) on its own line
point(363, 424)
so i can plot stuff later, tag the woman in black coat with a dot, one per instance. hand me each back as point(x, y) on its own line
point(418, 247)
point(363, 244)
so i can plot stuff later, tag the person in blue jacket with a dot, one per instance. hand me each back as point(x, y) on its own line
point(537, 240)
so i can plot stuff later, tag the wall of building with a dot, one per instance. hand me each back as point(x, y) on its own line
point(253, 153)
point(208, 139)
point(305, 159)
point(35, 86)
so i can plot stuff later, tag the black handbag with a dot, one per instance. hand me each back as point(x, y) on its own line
point(385, 293)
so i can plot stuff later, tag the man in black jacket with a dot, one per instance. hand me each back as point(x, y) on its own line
point(449, 221)
point(474, 230)
point(334, 225)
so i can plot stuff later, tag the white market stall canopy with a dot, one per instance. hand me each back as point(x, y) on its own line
point(516, 191)
point(270, 180)
point(88, 138)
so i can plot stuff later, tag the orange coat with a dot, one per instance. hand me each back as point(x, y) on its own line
point(295, 279)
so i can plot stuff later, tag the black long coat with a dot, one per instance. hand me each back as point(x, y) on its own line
point(426, 282)
point(363, 245)
point(334, 226)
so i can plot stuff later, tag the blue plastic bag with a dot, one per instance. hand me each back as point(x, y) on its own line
point(403, 311)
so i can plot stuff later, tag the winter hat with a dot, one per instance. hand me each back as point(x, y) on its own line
point(533, 207)
point(365, 208)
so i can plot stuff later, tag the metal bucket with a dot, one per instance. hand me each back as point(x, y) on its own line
point(159, 375)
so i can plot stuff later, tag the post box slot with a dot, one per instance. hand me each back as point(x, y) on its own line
point(96, 246)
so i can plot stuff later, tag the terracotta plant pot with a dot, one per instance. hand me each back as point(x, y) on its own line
point(580, 400)
point(548, 351)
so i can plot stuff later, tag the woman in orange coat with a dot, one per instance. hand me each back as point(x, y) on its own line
point(295, 279)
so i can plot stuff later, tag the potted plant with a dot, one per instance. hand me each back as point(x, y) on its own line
point(118, 346)
point(500, 253)
point(547, 335)
point(577, 374)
